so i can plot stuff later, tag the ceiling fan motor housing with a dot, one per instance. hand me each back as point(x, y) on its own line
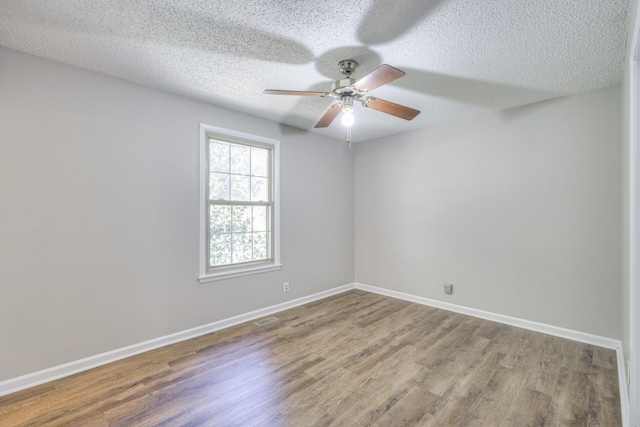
point(343, 86)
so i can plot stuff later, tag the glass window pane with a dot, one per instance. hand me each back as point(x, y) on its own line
point(219, 156)
point(259, 162)
point(260, 218)
point(219, 219)
point(241, 243)
point(260, 246)
point(239, 232)
point(220, 250)
point(240, 188)
point(240, 159)
point(241, 218)
point(218, 186)
point(259, 189)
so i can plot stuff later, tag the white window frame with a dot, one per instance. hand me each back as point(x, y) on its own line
point(213, 132)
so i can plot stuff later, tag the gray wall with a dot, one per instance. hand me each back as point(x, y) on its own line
point(520, 210)
point(99, 215)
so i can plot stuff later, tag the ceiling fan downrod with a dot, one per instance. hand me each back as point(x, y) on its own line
point(347, 66)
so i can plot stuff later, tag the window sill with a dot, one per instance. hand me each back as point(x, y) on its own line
point(212, 277)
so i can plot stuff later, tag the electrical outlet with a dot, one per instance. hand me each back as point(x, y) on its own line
point(448, 288)
point(286, 286)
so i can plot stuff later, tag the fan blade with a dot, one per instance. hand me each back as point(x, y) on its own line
point(391, 108)
point(294, 92)
point(329, 116)
point(380, 76)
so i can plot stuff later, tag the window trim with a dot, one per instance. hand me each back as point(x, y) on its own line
point(215, 132)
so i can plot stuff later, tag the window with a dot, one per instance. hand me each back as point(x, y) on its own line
point(238, 204)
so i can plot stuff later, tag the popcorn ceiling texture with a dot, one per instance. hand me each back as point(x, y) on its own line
point(462, 57)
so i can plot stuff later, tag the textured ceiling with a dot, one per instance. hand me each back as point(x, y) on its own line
point(462, 57)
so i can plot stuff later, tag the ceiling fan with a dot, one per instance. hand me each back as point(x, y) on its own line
point(347, 90)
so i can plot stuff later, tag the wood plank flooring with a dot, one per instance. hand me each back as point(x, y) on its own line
point(354, 359)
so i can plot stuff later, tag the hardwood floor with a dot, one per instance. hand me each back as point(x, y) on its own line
point(354, 359)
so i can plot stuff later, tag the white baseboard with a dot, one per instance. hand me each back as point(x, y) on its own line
point(40, 377)
point(624, 389)
point(500, 318)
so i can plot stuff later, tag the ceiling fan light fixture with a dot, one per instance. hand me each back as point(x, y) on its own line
point(347, 118)
point(347, 110)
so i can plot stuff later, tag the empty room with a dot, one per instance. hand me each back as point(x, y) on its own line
point(296, 213)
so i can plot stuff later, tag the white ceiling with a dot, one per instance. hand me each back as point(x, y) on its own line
point(462, 57)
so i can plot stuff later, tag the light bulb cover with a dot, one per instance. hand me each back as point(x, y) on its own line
point(347, 119)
